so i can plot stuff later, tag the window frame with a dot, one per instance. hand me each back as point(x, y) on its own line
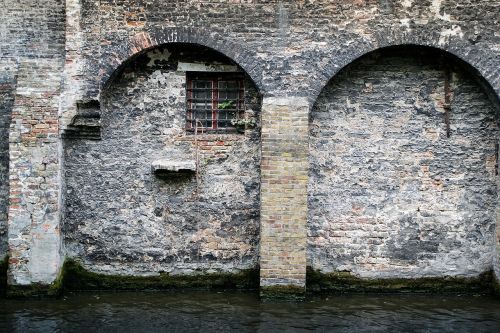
point(215, 78)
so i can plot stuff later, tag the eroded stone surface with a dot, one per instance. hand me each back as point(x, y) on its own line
point(289, 49)
point(390, 195)
point(123, 219)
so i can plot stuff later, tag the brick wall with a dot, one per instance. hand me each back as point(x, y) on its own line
point(34, 231)
point(290, 49)
point(32, 36)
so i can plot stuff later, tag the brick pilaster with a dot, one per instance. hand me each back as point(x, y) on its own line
point(284, 194)
point(33, 223)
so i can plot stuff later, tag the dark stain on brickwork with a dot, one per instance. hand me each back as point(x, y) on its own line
point(7, 90)
point(77, 278)
point(342, 282)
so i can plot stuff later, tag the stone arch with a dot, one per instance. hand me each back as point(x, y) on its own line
point(483, 62)
point(147, 40)
point(338, 140)
point(147, 110)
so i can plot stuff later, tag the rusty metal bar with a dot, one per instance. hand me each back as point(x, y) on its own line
point(497, 147)
point(447, 100)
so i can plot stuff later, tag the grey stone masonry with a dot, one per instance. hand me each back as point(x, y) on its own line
point(403, 169)
point(8, 71)
point(121, 217)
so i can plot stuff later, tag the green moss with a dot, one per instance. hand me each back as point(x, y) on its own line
point(496, 286)
point(282, 292)
point(4, 265)
point(346, 282)
point(77, 278)
point(37, 290)
point(34, 290)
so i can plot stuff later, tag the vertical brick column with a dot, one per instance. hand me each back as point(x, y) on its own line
point(73, 69)
point(284, 196)
point(33, 224)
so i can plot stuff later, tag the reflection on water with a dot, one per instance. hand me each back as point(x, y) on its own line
point(244, 312)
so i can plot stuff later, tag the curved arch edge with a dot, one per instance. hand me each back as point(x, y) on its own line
point(486, 67)
point(146, 40)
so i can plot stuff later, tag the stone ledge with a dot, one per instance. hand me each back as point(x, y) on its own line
point(86, 124)
point(168, 166)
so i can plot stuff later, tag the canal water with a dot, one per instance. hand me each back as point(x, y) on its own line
point(244, 312)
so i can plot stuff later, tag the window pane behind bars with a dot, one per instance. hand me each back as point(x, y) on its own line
point(202, 104)
point(228, 92)
point(213, 103)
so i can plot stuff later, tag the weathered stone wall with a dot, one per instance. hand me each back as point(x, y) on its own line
point(34, 211)
point(294, 46)
point(290, 49)
point(122, 218)
point(390, 194)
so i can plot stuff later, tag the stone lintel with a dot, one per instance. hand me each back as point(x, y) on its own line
point(203, 67)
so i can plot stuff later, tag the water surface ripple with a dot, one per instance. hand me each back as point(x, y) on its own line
point(244, 312)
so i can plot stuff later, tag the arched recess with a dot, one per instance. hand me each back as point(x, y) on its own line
point(403, 167)
point(153, 195)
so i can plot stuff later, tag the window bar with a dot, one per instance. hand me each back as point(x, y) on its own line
point(215, 103)
point(190, 105)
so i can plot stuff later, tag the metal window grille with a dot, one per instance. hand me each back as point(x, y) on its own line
point(213, 101)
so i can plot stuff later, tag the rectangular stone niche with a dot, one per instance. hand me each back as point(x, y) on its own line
point(86, 124)
point(173, 167)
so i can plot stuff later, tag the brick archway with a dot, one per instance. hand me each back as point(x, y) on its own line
point(486, 66)
point(115, 58)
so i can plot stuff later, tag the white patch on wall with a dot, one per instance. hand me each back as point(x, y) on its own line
point(405, 23)
point(446, 34)
point(436, 9)
point(202, 67)
point(158, 55)
point(407, 3)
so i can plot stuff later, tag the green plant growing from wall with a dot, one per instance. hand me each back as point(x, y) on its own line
point(243, 123)
point(226, 105)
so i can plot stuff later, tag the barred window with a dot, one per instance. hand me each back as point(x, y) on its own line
point(214, 100)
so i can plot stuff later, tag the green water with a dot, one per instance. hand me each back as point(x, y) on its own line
point(244, 312)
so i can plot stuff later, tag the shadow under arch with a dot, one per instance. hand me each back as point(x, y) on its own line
point(116, 58)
